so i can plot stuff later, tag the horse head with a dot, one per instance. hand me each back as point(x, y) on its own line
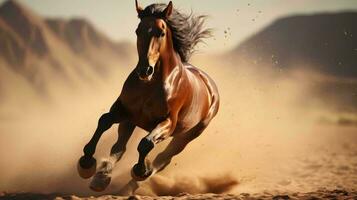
point(153, 35)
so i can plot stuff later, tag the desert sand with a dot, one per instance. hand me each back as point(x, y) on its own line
point(320, 194)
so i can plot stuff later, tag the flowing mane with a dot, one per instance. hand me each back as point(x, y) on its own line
point(187, 29)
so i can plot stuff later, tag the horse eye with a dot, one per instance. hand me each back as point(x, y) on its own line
point(162, 34)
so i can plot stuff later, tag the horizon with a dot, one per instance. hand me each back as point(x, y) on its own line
point(232, 21)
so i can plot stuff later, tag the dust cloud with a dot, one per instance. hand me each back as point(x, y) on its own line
point(266, 136)
point(163, 186)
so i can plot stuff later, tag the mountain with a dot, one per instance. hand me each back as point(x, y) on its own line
point(326, 42)
point(85, 41)
point(44, 52)
point(320, 48)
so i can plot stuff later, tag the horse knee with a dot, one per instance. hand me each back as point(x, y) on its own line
point(106, 121)
point(145, 146)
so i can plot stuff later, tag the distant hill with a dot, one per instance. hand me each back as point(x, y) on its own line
point(51, 51)
point(326, 42)
point(85, 41)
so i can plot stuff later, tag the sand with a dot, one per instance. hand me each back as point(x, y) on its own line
point(320, 194)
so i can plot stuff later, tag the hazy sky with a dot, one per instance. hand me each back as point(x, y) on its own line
point(117, 18)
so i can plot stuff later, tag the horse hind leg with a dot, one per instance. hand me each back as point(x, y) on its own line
point(178, 143)
point(102, 178)
point(176, 146)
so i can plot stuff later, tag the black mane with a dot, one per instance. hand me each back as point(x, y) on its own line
point(187, 29)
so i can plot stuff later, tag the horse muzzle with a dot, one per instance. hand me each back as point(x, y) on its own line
point(145, 73)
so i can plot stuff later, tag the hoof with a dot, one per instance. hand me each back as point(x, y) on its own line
point(100, 182)
point(86, 167)
point(140, 174)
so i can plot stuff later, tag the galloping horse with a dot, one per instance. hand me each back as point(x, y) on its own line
point(163, 95)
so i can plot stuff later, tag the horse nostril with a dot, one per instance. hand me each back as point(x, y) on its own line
point(149, 71)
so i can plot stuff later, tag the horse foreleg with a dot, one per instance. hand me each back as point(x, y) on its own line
point(87, 164)
point(102, 178)
point(176, 146)
point(142, 170)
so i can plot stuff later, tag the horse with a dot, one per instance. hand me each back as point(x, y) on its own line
point(164, 95)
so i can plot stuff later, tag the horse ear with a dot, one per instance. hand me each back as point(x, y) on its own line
point(168, 10)
point(138, 8)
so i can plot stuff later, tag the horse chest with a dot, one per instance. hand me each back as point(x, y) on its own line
point(146, 110)
point(153, 108)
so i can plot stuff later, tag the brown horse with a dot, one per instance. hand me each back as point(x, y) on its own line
point(163, 95)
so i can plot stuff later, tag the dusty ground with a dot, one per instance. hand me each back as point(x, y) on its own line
point(320, 194)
